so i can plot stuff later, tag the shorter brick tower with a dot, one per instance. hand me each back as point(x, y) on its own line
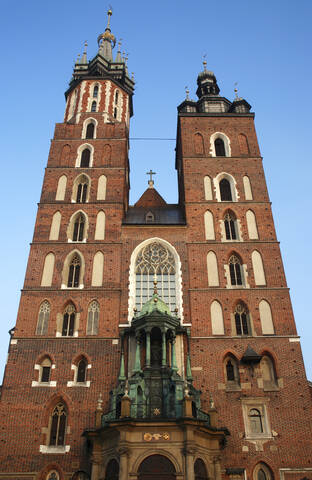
point(155, 340)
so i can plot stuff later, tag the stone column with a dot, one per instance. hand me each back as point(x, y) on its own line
point(217, 467)
point(173, 355)
point(189, 463)
point(123, 463)
point(137, 365)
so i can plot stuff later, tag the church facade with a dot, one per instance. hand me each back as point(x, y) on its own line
point(154, 340)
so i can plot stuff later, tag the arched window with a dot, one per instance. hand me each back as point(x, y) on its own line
point(219, 147)
point(69, 318)
point(258, 269)
point(266, 319)
point(90, 130)
point(236, 273)
point(242, 323)
point(209, 225)
point(262, 472)
point(230, 226)
point(74, 272)
point(82, 371)
point(149, 217)
point(95, 91)
point(155, 262)
point(252, 225)
point(58, 422)
point(82, 189)
point(53, 475)
point(93, 318)
point(155, 467)
point(45, 371)
point(79, 227)
point(85, 158)
point(225, 190)
point(207, 188)
point(231, 372)
point(200, 470)
point(93, 106)
point(255, 421)
point(43, 318)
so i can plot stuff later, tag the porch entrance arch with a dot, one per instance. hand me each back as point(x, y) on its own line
point(156, 467)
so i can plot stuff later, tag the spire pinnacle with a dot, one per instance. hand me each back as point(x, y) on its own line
point(236, 90)
point(109, 14)
point(107, 40)
point(187, 93)
point(84, 60)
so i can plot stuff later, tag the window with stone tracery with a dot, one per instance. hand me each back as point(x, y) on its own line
point(43, 318)
point(242, 320)
point(93, 318)
point(58, 425)
point(74, 272)
point(230, 226)
point(235, 271)
point(69, 321)
point(155, 263)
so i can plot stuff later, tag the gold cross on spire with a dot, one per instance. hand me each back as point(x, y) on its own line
point(151, 181)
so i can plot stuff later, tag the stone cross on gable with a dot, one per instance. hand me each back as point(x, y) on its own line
point(151, 181)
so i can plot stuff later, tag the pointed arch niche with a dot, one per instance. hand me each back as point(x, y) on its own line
point(175, 263)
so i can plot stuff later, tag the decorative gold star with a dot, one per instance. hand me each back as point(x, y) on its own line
point(156, 411)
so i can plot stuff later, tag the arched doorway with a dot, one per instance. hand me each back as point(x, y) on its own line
point(200, 470)
point(112, 470)
point(156, 467)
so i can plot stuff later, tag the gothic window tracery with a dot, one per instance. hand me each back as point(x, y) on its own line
point(242, 320)
point(82, 189)
point(43, 318)
point(69, 321)
point(155, 263)
point(230, 226)
point(93, 318)
point(79, 227)
point(58, 425)
point(235, 271)
point(74, 272)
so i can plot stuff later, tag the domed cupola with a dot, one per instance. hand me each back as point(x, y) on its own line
point(207, 83)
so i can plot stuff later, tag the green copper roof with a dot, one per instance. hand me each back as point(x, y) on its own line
point(154, 304)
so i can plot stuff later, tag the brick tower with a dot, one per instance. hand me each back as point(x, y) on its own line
point(155, 340)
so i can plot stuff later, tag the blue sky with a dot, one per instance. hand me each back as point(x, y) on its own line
point(264, 46)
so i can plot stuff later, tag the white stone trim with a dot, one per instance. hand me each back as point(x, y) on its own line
point(108, 87)
point(54, 449)
point(79, 152)
point(84, 127)
point(52, 383)
point(294, 340)
point(178, 276)
point(94, 99)
point(82, 91)
point(261, 405)
point(226, 140)
point(233, 183)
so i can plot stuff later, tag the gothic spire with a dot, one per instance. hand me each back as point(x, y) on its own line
point(107, 40)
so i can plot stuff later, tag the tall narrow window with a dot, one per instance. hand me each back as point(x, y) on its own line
point(58, 425)
point(90, 131)
point(93, 106)
point(235, 271)
point(82, 190)
point(79, 227)
point(48, 269)
point(155, 262)
point(231, 373)
point(95, 91)
point(255, 421)
point(225, 190)
point(69, 321)
point(242, 320)
point(81, 371)
point(85, 158)
point(45, 371)
point(74, 272)
point(219, 147)
point(93, 318)
point(230, 226)
point(43, 318)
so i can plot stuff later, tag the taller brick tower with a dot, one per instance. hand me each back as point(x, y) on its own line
point(155, 340)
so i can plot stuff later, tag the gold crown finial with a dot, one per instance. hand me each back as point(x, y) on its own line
point(109, 14)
